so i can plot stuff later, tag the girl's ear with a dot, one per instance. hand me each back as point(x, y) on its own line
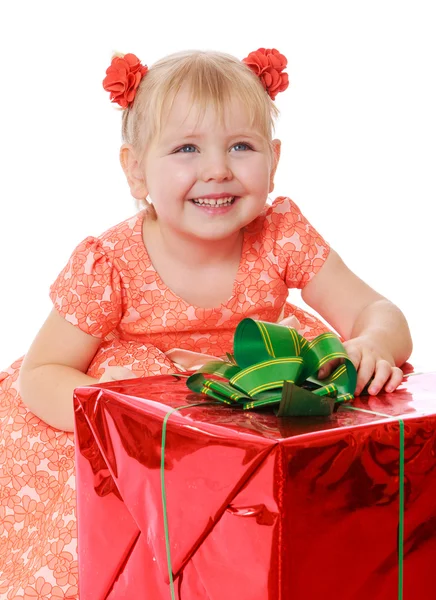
point(133, 171)
point(276, 146)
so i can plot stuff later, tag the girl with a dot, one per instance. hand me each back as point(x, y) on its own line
point(165, 289)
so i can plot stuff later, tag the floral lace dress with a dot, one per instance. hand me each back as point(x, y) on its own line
point(110, 290)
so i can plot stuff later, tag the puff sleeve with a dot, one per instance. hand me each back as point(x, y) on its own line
point(87, 292)
point(301, 251)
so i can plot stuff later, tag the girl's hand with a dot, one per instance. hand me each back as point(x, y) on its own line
point(371, 363)
point(378, 334)
point(116, 374)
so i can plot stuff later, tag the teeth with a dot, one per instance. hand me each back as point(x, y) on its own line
point(213, 202)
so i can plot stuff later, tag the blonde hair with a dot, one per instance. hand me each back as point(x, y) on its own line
point(213, 79)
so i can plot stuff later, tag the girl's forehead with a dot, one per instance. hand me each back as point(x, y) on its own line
point(189, 116)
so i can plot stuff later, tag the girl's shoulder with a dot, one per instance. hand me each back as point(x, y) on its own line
point(115, 241)
point(281, 211)
point(283, 205)
point(282, 226)
point(109, 250)
point(123, 233)
point(89, 290)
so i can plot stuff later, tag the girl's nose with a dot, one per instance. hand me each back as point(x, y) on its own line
point(215, 168)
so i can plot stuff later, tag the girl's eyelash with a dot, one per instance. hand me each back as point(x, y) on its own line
point(182, 148)
point(243, 144)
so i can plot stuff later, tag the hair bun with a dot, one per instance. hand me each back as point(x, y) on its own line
point(123, 78)
point(268, 65)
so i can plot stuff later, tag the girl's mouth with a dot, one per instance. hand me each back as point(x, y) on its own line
point(214, 203)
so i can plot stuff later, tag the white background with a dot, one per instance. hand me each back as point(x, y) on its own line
point(358, 128)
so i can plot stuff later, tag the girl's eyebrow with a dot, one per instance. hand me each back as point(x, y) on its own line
point(198, 136)
point(247, 134)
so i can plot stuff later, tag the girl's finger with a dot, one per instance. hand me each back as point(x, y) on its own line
point(395, 379)
point(365, 372)
point(383, 372)
point(328, 368)
point(116, 374)
point(354, 354)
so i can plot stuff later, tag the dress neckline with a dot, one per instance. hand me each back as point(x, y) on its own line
point(138, 229)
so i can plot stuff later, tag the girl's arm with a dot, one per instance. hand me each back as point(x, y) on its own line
point(376, 332)
point(55, 364)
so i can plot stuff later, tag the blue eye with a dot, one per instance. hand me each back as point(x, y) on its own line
point(187, 149)
point(241, 146)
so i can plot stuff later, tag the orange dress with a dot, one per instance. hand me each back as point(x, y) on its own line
point(110, 290)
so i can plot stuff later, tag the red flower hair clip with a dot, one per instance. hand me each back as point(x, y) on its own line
point(268, 65)
point(123, 78)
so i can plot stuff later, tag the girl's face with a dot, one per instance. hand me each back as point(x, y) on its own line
point(208, 179)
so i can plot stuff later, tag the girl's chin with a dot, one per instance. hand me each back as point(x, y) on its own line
point(211, 231)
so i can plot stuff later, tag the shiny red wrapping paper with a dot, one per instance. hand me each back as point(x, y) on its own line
point(259, 508)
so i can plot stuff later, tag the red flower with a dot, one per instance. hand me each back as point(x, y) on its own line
point(268, 65)
point(123, 78)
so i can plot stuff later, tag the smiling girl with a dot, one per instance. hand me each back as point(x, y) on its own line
point(165, 289)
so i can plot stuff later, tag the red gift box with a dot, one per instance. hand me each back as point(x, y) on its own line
point(258, 507)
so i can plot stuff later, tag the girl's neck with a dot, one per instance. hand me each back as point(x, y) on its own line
point(191, 252)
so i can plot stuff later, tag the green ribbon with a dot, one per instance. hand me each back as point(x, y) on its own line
point(164, 496)
point(400, 494)
point(275, 365)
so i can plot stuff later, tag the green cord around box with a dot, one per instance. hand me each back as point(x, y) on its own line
point(164, 496)
point(400, 490)
point(400, 494)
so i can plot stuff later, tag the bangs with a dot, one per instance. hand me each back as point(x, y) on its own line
point(213, 80)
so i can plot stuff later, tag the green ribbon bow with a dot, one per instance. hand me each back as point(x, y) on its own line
point(274, 364)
